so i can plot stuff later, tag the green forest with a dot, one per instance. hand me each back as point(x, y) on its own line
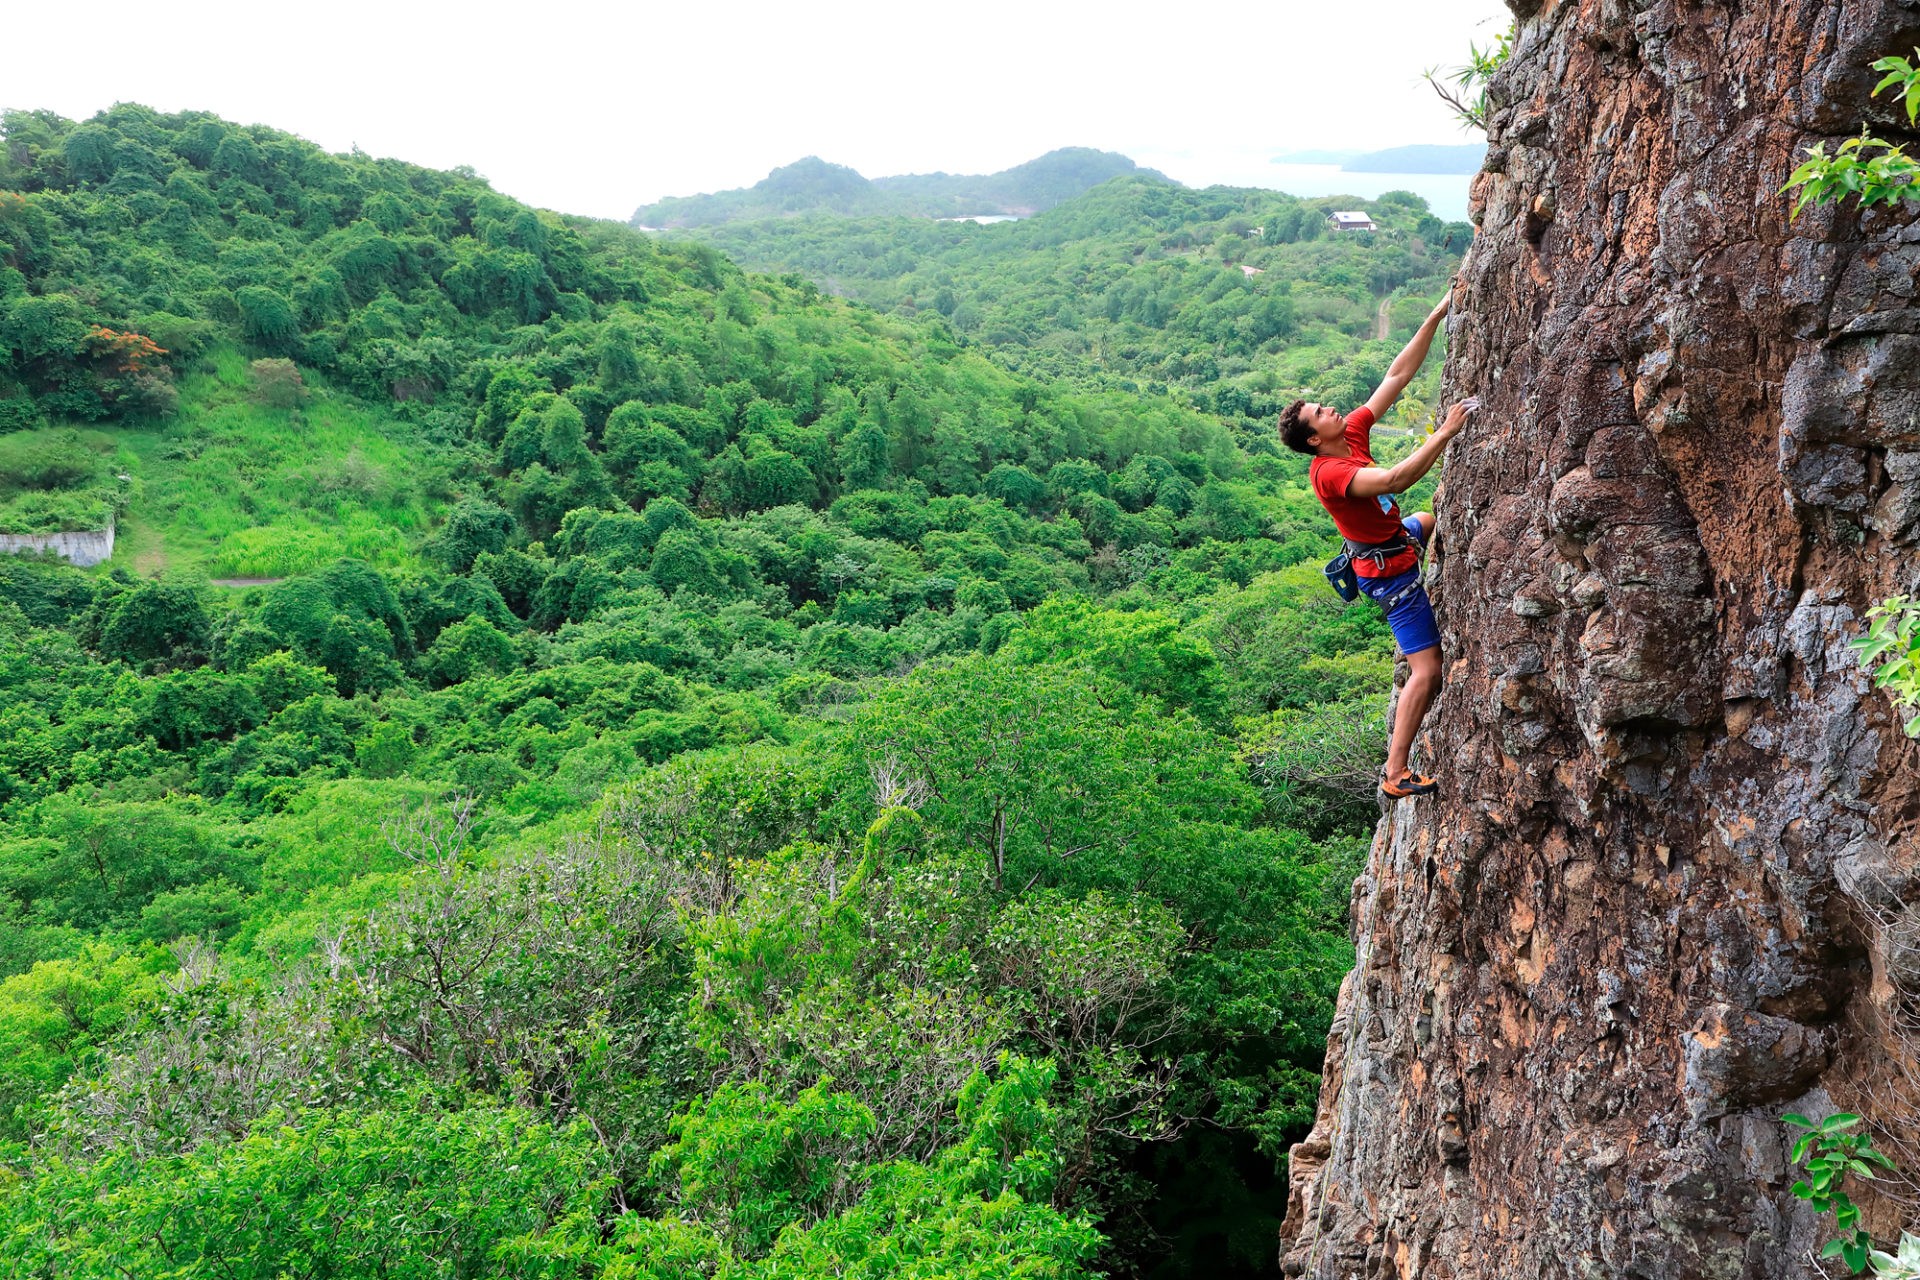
point(1238, 299)
point(594, 756)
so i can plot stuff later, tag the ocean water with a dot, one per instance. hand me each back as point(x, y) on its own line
point(1445, 193)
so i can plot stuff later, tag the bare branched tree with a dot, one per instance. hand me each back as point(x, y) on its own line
point(434, 835)
point(895, 788)
point(198, 962)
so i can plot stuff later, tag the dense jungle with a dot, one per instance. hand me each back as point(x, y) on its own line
point(821, 749)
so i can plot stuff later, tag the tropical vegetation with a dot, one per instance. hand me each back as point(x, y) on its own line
point(586, 761)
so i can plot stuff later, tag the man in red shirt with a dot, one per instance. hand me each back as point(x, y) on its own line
point(1386, 547)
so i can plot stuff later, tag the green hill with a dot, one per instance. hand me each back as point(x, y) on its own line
point(716, 777)
point(1235, 299)
point(814, 186)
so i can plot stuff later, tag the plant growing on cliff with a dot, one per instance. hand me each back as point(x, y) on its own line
point(1831, 1152)
point(1464, 88)
point(1903, 1265)
point(1892, 644)
point(1852, 169)
point(1892, 640)
point(1904, 76)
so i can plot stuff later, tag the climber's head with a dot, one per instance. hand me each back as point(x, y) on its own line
point(1314, 429)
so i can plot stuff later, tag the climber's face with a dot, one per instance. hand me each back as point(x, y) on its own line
point(1329, 429)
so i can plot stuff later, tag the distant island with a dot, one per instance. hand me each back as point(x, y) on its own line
point(813, 185)
point(1464, 158)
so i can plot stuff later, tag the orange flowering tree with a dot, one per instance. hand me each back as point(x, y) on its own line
point(127, 353)
point(132, 369)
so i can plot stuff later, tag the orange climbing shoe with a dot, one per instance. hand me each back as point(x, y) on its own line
point(1409, 784)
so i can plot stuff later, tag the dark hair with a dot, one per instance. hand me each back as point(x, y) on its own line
point(1294, 433)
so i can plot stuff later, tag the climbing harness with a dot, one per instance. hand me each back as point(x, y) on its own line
point(1379, 552)
point(1346, 583)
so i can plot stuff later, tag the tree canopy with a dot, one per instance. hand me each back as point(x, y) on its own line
point(590, 761)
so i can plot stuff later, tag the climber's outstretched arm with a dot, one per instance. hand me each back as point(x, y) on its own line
point(1371, 482)
point(1408, 362)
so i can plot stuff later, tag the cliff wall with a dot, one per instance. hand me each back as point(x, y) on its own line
point(1666, 890)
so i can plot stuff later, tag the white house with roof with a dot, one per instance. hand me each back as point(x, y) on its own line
point(1351, 221)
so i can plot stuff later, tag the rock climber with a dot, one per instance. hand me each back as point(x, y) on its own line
point(1384, 547)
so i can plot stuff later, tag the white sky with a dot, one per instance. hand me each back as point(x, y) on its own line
point(596, 109)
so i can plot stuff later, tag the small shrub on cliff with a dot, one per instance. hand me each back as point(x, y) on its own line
point(1905, 77)
point(1892, 641)
point(1904, 1265)
point(1852, 169)
point(1892, 644)
point(1465, 87)
point(1831, 1153)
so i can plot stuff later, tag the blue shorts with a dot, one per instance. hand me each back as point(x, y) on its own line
point(1411, 621)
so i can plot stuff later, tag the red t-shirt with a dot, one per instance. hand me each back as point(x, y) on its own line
point(1360, 519)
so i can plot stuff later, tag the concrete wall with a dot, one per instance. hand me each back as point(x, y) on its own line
point(84, 547)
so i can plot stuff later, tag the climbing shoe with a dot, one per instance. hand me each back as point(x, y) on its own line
point(1408, 784)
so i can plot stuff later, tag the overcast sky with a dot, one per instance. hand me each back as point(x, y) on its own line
point(597, 109)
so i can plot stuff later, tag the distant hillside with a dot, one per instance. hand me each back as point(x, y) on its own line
point(1236, 298)
point(1465, 158)
point(814, 186)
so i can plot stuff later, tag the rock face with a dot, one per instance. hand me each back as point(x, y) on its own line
point(1666, 892)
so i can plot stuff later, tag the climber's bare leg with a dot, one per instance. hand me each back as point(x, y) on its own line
point(1416, 696)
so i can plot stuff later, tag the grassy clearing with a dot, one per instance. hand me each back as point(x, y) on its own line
point(61, 478)
point(232, 488)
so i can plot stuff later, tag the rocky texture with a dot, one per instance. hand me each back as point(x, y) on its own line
point(1666, 892)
